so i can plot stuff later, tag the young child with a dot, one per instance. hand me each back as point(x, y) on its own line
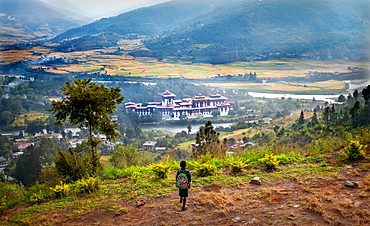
point(184, 192)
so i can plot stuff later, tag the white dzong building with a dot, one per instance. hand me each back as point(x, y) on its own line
point(195, 107)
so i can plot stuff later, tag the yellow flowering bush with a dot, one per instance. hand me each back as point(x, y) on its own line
point(37, 197)
point(61, 190)
point(204, 169)
point(236, 164)
point(355, 150)
point(2, 203)
point(39, 193)
point(270, 161)
point(161, 170)
point(88, 185)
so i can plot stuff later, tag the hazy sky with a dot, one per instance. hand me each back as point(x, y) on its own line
point(103, 8)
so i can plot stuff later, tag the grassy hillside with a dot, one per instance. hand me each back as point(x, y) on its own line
point(301, 190)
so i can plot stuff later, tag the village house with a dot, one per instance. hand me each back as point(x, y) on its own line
point(173, 109)
point(3, 161)
point(150, 145)
point(22, 144)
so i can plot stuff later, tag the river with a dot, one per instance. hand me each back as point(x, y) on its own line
point(352, 85)
point(173, 129)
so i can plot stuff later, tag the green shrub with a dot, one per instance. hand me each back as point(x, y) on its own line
point(237, 163)
point(219, 163)
point(160, 170)
point(112, 173)
point(2, 203)
point(126, 156)
point(88, 185)
point(355, 150)
point(73, 166)
point(256, 153)
point(270, 161)
point(284, 159)
point(132, 170)
point(11, 194)
point(39, 193)
point(204, 169)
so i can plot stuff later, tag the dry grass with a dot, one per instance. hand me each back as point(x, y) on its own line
point(217, 201)
point(30, 116)
point(105, 160)
point(237, 134)
point(314, 204)
point(121, 63)
point(296, 87)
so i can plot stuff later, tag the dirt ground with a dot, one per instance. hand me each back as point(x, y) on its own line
point(282, 202)
point(295, 201)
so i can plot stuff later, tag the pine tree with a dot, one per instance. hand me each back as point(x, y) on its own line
point(28, 166)
point(207, 141)
point(355, 94)
point(366, 94)
point(301, 119)
point(314, 120)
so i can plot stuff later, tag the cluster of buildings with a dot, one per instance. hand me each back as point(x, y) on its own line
point(173, 109)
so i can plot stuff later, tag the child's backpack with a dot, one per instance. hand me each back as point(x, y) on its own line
point(182, 180)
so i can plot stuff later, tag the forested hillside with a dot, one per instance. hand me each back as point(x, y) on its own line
point(252, 29)
point(227, 31)
point(144, 21)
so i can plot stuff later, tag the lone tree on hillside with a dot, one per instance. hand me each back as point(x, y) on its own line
point(88, 105)
point(207, 141)
point(301, 119)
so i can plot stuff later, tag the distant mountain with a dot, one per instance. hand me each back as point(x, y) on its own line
point(145, 21)
point(30, 20)
point(236, 30)
point(71, 11)
point(241, 30)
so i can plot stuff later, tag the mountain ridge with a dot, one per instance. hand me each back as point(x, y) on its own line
point(229, 31)
point(31, 20)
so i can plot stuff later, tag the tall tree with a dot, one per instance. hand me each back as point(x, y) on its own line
point(6, 118)
point(314, 120)
point(366, 94)
point(86, 104)
point(355, 94)
point(301, 119)
point(207, 141)
point(47, 151)
point(35, 126)
point(28, 166)
point(189, 128)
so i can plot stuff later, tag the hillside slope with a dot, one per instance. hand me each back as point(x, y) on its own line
point(319, 29)
point(146, 20)
point(31, 20)
point(299, 194)
point(227, 31)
